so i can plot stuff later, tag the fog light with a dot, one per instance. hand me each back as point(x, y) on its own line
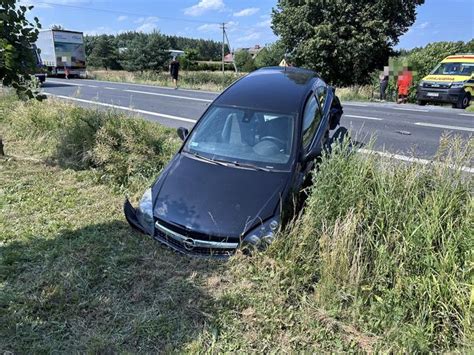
point(268, 239)
point(252, 240)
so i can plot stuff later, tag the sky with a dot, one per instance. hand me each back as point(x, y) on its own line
point(248, 21)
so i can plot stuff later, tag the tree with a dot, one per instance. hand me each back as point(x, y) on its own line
point(17, 58)
point(134, 58)
point(103, 54)
point(157, 51)
point(244, 61)
point(271, 55)
point(146, 52)
point(343, 40)
point(189, 60)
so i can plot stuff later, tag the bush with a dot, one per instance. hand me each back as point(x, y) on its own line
point(123, 150)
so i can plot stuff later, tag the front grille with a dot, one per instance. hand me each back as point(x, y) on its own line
point(194, 247)
point(439, 86)
point(192, 234)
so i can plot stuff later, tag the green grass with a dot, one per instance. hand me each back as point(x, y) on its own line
point(197, 80)
point(381, 260)
point(470, 108)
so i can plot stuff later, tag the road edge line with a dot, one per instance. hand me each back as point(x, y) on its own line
point(125, 108)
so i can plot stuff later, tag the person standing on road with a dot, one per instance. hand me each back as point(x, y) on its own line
point(404, 81)
point(383, 77)
point(174, 71)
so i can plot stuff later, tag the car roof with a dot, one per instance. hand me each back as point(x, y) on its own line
point(469, 57)
point(276, 89)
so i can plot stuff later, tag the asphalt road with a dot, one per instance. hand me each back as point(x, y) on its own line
point(407, 130)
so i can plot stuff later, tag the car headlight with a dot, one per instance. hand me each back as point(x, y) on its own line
point(421, 84)
point(262, 236)
point(145, 212)
point(457, 85)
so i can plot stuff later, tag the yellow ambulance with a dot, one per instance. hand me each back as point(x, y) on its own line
point(452, 81)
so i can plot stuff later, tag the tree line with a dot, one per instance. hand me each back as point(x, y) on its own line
point(137, 51)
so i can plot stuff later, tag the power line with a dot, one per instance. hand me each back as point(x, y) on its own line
point(126, 13)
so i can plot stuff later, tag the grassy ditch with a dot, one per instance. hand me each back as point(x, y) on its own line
point(118, 149)
point(381, 259)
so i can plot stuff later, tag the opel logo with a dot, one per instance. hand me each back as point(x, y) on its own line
point(189, 244)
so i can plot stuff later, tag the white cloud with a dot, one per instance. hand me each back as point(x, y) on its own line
point(247, 12)
point(249, 37)
point(122, 18)
point(264, 23)
point(204, 6)
point(44, 5)
point(147, 24)
point(424, 25)
point(209, 27)
point(102, 30)
point(214, 27)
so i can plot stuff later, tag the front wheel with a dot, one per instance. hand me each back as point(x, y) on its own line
point(466, 100)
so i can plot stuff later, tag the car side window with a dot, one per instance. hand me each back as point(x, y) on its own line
point(311, 118)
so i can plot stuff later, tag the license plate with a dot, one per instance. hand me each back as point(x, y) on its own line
point(432, 94)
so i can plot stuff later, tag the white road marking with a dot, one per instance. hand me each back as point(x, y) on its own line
point(64, 83)
point(151, 86)
point(365, 117)
point(358, 105)
point(466, 114)
point(110, 88)
point(91, 86)
point(456, 128)
point(409, 109)
point(411, 159)
point(167, 95)
point(125, 108)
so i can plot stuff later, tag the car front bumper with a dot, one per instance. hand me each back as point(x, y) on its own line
point(440, 95)
point(179, 243)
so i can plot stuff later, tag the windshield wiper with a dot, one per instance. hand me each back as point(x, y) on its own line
point(209, 160)
point(251, 166)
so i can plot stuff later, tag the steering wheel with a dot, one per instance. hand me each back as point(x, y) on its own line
point(281, 143)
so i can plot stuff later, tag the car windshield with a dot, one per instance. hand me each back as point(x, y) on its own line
point(454, 69)
point(244, 136)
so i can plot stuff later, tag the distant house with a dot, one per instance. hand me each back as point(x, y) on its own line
point(252, 50)
point(229, 58)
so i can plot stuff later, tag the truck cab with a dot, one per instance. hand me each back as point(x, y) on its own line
point(451, 81)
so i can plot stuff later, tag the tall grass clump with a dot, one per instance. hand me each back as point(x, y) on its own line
point(122, 150)
point(390, 246)
point(383, 250)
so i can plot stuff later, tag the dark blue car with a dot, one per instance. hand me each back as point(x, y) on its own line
point(238, 170)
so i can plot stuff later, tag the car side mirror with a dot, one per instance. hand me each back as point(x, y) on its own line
point(182, 133)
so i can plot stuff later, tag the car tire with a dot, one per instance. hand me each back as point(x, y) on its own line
point(464, 102)
point(421, 102)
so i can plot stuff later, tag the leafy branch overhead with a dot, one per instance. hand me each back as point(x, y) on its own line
point(17, 59)
point(344, 40)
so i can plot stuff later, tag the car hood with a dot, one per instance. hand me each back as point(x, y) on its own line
point(217, 200)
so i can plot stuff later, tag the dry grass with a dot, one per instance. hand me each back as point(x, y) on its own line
point(197, 80)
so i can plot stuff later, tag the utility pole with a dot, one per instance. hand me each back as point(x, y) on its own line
point(223, 46)
point(231, 52)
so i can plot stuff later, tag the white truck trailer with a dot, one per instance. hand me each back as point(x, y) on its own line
point(62, 52)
